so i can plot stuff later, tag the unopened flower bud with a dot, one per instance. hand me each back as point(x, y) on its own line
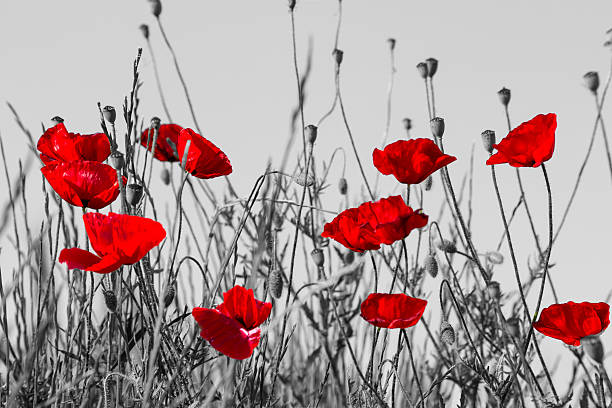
point(155, 122)
point(495, 257)
point(110, 299)
point(156, 7)
point(318, 257)
point(275, 283)
point(303, 179)
point(133, 194)
point(432, 66)
point(349, 257)
point(144, 29)
point(513, 325)
point(117, 160)
point(447, 246)
point(342, 186)
point(407, 125)
point(494, 289)
point(591, 80)
point(169, 296)
point(338, 56)
point(593, 347)
point(165, 176)
point(431, 265)
point(504, 96)
point(447, 333)
point(423, 70)
point(109, 114)
point(391, 42)
point(56, 120)
point(428, 183)
point(311, 133)
point(291, 4)
point(488, 140)
point(437, 127)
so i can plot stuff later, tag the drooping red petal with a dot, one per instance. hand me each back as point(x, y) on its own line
point(204, 159)
point(225, 334)
point(76, 258)
point(240, 304)
point(57, 144)
point(348, 229)
point(570, 322)
point(166, 145)
point(392, 311)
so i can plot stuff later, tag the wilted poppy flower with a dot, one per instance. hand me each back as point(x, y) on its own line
point(528, 145)
point(166, 145)
point(392, 311)
point(411, 161)
point(118, 239)
point(56, 144)
point(570, 322)
point(350, 230)
point(232, 328)
point(83, 183)
point(204, 159)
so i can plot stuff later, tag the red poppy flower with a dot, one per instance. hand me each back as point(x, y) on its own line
point(204, 159)
point(232, 328)
point(83, 183)
point(118, 239)
point(350, 230)
point(166, 144)
point(528, 145)
point(411, 161)
point(392, 311)
point(56, 144)
point(570, 322)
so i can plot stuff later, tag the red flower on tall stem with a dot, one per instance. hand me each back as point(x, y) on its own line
point(204, 159)
point(528, 145)
point(87, 184)
point(570, 322)
point(392, 311)
point(56, 144)
point(117, 239)
point(411, 161)
point(232, 328)
point(166, 145)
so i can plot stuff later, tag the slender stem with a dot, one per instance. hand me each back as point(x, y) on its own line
point(158, 81)
point(414, 370)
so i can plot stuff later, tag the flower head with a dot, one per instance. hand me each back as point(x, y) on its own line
point(392, 311)
point(571, 322)
point(528, 145)
point(166, 144)
point(232, 328)
point(204, 159)
point(56, 144)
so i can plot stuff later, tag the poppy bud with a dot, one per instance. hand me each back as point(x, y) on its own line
point(391, 42)
point(317, 257)
point(57, 120)
point(593, 347)
point(591, 80)
point(513, 326)
point(155, 122)
point(109, 114)
point(431, 265)
point(349, 257)
point(338, 56)
point(303, 179)
point(495, 257)
point(447, 333)
point(437, 127)
point(447, 246)
point(144, 29)
point(169, 296)
point(311, 133)
point(165, 176)
point(432, 66)
point(275, 283)
point(291, 4)
point(504, 96)
point(407, 124)
point(117, 160)
point(133, 194)
point(423, 70)
point(493, 289)
point(110, 299)
point(488, 140)
point(156, 7)
point(428, 183)
point(342, 186)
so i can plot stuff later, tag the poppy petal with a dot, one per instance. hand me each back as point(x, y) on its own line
point(392, 311)
point(204, 159)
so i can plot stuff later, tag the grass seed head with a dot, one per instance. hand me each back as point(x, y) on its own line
point(275, 283)
point(169, 296)
point(110, 300)
point(447, 333)
point(428, 183)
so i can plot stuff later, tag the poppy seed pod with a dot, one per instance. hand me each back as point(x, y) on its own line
point(117, 160)
point(594, 348)
point(504, 96)
point(318, 257)
point(156, 7)
point(169, 296)
point(349, 257)
point(514, 327)
point(155, 122)
point(447, 333)
point(56, 120)
point(109, 114)
point(144, 29)
point(432, 66)
point(165, 176)
point(431, 265)
point(437, 127)
point(428, 183)
point(275, 283)
point(391, 42)
point(407, 124)
point(342, 186)
point(133, 194)
point(447, 246)
point(311, 133)
point(338, 56)
point(494, 289)
point(488, 140)
point(591, 80)
point(110, 300)
point(423, 70)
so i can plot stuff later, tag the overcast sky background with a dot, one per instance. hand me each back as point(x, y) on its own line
point(61, 57)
